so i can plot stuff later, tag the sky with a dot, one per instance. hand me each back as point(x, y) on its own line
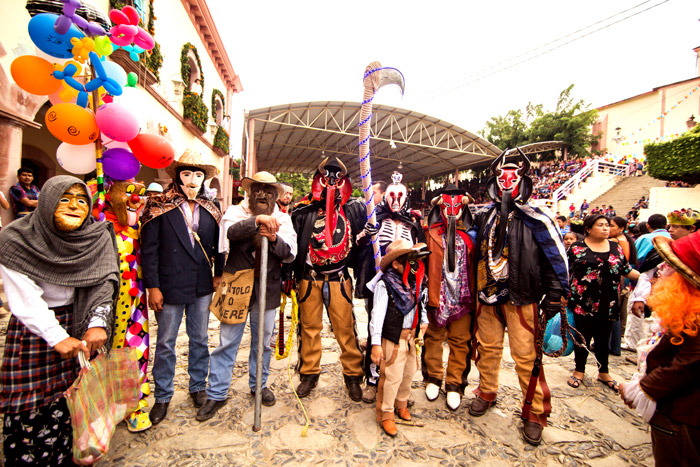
point(464, 62)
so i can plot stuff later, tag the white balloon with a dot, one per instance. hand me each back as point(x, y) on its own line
point(115, 71)
point(76, 159)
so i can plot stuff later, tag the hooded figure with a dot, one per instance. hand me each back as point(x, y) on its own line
point(179, 240)
point(60, 274)
point(450, 295)
point(326, 222)
point(521, 268)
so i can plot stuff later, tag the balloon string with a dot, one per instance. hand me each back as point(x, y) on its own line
point(98, 148)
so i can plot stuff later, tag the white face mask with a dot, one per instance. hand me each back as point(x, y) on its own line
point(191, 182)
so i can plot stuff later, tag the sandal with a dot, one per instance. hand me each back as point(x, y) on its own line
point(611, 384)
point(574, 382)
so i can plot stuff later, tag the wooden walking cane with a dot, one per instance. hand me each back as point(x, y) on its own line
point(262, 292)
point(375, 77)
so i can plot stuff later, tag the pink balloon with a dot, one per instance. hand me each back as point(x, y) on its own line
point(117, 122)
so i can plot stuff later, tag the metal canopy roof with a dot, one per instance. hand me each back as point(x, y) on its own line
point(296, 137)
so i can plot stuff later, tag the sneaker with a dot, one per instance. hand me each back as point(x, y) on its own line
point(369, 394)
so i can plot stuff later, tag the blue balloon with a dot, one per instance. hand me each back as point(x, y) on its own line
point(45, 37)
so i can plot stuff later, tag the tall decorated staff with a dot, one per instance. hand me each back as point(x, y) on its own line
point(376, 76)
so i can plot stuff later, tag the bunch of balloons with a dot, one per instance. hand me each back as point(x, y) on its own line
point(65, 40)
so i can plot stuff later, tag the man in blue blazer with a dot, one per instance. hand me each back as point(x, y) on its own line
point(179, 240)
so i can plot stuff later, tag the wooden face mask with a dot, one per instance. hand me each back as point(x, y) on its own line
point(72, 209)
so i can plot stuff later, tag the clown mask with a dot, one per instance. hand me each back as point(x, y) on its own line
point(191, 181)
point(72, 209)
point(125, 199)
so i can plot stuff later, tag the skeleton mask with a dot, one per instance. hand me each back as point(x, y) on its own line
point(72, 209)
point(396, 193)
point(191, 180)
point(125, 199)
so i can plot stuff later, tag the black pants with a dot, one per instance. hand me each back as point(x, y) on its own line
point(674, 444)
point(367, 365)
point(42, 436)
point(598, 328)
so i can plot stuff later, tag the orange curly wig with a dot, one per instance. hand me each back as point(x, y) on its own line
point(677, 303)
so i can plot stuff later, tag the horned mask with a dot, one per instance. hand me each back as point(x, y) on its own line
point(451, 208)
point(331, 180)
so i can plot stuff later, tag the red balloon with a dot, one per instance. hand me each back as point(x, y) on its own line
point(153, 151)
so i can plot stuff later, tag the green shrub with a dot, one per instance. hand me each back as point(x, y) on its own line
point(676, 160)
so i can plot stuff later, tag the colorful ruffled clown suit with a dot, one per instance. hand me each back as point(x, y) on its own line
point(122, 208)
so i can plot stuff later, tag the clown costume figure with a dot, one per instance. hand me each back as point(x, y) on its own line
point(124, 203)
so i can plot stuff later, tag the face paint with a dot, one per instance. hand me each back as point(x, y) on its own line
point(190, 182)
point(125, 199)
point(72, 209)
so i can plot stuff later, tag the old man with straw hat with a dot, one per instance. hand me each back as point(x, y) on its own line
point(242, 229)
point(179, 238)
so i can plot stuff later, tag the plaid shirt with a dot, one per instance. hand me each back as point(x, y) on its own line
point(17, 192)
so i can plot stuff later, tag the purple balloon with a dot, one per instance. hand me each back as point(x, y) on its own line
point(120, 164)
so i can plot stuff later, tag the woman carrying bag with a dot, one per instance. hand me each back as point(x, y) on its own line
point(60, 273)
point(596, 265)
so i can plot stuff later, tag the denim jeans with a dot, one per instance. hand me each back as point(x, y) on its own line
point(197, 321)
point(223, 358)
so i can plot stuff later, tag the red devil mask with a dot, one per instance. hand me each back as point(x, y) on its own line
point(452, 206)
point(510, 177)
point(330, 178)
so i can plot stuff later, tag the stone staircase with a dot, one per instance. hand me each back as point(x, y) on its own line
point(625, 194)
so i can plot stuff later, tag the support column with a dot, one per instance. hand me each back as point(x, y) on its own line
point(11, 131)
point(422, 196)
point(226, 189)
point(457, 177)
point(251, 162)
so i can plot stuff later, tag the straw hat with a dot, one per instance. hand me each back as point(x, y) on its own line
point(262, 177)
point(400, 247)
point(682, 254)
point(192, 159)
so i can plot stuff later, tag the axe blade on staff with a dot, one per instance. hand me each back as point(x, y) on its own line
point(262, 292)
point(376, 76)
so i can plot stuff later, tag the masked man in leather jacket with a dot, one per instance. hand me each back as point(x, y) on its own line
point(521, 271)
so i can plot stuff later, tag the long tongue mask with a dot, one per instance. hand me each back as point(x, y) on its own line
point(332, 176)
point(331, 216)
point(420, 273)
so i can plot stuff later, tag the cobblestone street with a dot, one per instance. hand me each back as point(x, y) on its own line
point(588, 426)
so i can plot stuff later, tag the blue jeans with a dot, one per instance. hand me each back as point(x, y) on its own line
point(223, 358)
point(169, 319)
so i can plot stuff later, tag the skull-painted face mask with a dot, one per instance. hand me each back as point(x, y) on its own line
point(191, 182)
point(396, 194)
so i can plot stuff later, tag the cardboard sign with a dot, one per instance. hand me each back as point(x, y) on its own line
point(232, 298)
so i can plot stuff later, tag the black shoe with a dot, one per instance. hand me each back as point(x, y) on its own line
point(268, 397)
point(158, 412)
point(209, 409)
point(198, 398)
point(354, 388)
point(308, 382)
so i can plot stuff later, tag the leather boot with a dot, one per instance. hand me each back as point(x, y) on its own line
point(532, 432)
point(479, 406)
point(354, 388)
point(308, 382)
point(389, 427)
point(209, 409)
point(158, 412)
point(198, 398)
point(404, 414)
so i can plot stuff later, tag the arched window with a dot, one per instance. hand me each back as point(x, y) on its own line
point(195, 84)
